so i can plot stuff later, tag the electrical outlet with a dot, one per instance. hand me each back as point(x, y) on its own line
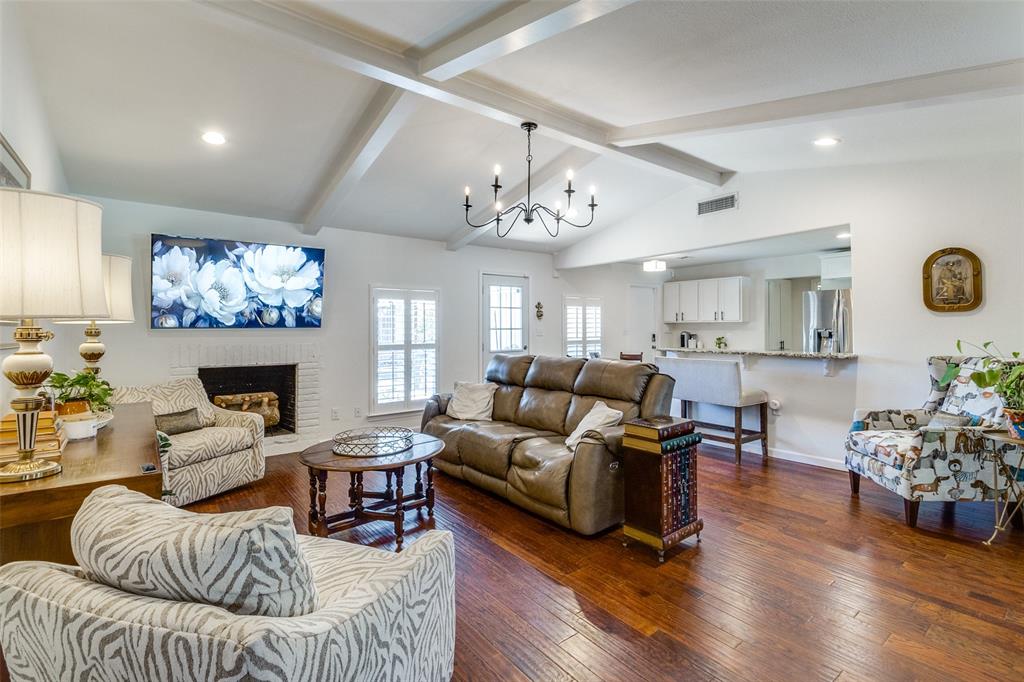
point(357, 412)
point(335, 414)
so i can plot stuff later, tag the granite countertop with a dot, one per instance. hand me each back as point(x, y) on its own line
point(764, 353)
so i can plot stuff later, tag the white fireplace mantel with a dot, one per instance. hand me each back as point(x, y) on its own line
point(187, 358)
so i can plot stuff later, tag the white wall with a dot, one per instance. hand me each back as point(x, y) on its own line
point(354, 262)
point(24, 124)
point(899, 214)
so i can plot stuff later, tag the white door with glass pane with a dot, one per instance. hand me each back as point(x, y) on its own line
point(405, 349)
point(583, 327)
point(506, 326)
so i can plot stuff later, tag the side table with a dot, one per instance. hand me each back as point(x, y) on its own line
point(997, 453)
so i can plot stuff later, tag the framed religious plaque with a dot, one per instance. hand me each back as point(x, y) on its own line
point(951, 280)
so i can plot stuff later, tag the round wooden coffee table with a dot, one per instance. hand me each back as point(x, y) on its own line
point(392, 504)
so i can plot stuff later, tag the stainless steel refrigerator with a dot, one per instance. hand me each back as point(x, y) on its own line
point(828, 321)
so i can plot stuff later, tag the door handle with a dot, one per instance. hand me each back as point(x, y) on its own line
point(683, 316)
point(716, 315)
point(677, 317)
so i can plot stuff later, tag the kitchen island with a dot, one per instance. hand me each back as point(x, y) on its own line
point(810, 420)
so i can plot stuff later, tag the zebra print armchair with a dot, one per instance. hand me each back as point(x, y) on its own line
point(382, 616)
point(226, 453)
point(935, 453)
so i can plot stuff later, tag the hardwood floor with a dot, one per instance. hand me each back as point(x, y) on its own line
point(793, 579)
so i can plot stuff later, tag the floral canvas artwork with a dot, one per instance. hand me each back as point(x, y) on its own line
point(204, 283)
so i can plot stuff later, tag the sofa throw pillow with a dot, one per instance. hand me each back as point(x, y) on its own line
point(179, 422)
point(249, 563)
point(965, 397)
point(941, 421)
point(600, 415)
point(472, 401)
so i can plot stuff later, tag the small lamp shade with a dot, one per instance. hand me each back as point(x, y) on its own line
point(117, 284)
point(50, 257)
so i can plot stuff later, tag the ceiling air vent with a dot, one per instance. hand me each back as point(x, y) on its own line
point(717, 204)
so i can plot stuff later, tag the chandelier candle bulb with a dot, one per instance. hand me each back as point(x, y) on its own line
point(497, 206)
point(569, 175)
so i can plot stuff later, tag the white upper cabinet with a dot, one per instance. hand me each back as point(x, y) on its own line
point(836, 266)
point(704, 300)
point(707, 292)
point(689, 301)
point(670, 301)
point(730, 299)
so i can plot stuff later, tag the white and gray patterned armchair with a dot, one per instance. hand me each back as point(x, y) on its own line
point(226, 453)
point(380, 616)
point(921, 458)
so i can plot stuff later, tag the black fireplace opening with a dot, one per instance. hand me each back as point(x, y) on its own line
point(254, 378)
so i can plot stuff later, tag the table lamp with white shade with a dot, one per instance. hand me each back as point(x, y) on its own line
point(50, 267)
point(117, 283)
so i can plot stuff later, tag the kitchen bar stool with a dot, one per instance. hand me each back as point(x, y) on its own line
point(718, 382)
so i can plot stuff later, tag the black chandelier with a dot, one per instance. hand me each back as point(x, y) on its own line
point(526, 209)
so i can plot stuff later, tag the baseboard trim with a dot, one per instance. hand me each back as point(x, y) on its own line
point(786, 455)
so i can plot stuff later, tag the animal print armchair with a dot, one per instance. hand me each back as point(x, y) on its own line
point(226, 453)
point(934, 453)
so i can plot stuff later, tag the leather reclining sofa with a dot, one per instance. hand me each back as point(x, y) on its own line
point(521, 454)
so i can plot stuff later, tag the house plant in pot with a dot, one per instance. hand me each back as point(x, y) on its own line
point(1004, 375)
point(83, 392)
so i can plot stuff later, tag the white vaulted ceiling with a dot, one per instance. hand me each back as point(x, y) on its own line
point(313, 136)
point(656, 60)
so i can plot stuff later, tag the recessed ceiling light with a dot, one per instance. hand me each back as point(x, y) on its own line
point(213, 137)
point(843, 235)
point(826, 142)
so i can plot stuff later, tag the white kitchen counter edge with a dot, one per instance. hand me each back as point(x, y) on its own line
point(827, 359)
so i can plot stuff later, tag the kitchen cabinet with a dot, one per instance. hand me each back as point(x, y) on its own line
point(689, 301)
point(836, 266)
point(707, 294)
point(730, 299)
point(704, 300)
point(670, 301)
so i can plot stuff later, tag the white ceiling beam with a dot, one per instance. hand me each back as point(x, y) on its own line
point(388, 110)
point(520, 27)
point(286, 27)
point(571, 158)
point(989, 80)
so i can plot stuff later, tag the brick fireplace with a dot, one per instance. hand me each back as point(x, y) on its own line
point(279, 379)
point(301, 361)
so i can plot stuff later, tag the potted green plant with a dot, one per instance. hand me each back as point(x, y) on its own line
point(79, 393)
point(1004, 375)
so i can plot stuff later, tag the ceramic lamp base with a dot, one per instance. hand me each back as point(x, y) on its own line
point(27, 369)
point(92, 349)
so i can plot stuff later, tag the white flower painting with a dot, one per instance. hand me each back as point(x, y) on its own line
point(202, 283)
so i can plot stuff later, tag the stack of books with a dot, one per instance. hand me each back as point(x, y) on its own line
point(660, 434)
point(50, 437)
point(661, 481)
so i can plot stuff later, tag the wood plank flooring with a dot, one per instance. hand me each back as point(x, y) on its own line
point(793, 580)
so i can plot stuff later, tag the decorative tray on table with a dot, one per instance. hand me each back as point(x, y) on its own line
point(373, 441)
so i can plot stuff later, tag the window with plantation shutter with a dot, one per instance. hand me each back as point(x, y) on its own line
point(404, 362)
point(582, 327)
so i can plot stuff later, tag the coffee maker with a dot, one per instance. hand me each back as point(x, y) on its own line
point(685, 338)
